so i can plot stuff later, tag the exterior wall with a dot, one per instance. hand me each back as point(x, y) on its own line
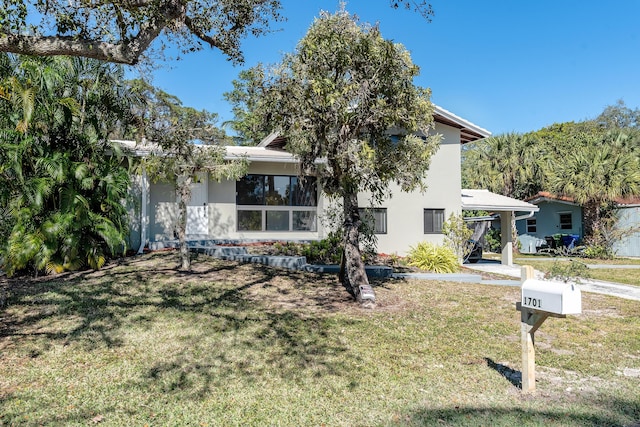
point(163, 211)
point(405, 211)
point(548, 223)
point(223, 214)
point(629, 218)
point(133, 209)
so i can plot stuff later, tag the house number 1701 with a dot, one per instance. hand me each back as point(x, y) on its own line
point(532, 302)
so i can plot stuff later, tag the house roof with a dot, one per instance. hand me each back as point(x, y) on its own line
point(468, 131)
point(256, 154)
point(260, 154)
point(485, 200)
point(545, 196)
point(628, 201)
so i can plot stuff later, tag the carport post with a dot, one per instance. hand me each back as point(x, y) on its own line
point(506, 242)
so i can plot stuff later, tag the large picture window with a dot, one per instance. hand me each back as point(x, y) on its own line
point(433, 220)
point(276, 203)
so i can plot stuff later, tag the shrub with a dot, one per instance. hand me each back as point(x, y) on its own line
point(325, 251)
point(456, 234)
point(568, 271)
point(596, 251)
point(438, 259)
point(493, 238)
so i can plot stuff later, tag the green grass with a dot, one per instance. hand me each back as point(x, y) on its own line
point(629, 276)
point(615, 261)
point(141, 344)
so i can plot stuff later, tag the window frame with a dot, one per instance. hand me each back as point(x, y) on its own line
point(435, 214)
point(371, 212)
point(565, 225)
point(291, 210)
point(532, 225)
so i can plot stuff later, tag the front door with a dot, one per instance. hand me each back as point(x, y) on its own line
point(198, 207)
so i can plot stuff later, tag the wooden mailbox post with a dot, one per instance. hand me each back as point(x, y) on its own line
point(541, 299)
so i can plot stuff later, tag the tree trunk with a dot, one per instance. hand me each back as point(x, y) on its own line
point(183, 191)
point(592, 226)
point(352, 271)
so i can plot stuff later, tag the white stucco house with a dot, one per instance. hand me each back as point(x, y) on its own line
point(271, 204)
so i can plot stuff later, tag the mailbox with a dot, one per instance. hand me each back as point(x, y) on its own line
point(551, 296)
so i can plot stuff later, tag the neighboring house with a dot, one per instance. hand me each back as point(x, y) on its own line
point(561, 215)
point(271, 203)
point(557, 215)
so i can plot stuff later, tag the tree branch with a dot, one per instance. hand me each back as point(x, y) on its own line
point(55, 45)
point(213, 41)
point(124, 52)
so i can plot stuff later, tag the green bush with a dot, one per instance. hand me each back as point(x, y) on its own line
point(598, 252)
point(568, 271)
point(493, 238)
point(325, 251)
point(456, 234)
point(438, 259)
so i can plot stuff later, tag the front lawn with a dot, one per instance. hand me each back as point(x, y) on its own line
point(629, 276)
point(141, 344)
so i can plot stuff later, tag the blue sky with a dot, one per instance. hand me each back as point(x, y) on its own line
point(505, 65)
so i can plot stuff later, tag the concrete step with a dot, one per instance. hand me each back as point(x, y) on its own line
point(219, 251)
point(290, 262)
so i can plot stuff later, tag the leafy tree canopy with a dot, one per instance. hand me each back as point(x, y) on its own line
point(346, 96)
point(594, 162)
point(163, 120)
point(121, 31)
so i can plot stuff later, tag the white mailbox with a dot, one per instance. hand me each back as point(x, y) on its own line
point(551, 296)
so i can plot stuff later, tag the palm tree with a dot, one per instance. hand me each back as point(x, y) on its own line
point(595, 176)
point(64, 187)
point(508, 164)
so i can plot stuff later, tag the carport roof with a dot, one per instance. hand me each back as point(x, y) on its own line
point(485, 200)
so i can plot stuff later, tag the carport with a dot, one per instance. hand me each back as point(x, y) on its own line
point(506, 207)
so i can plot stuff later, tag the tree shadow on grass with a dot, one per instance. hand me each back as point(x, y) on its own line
point(606, 411)
point(258, 312)
point(275, 345)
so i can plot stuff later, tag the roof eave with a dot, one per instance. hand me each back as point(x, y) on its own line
point(468, 131)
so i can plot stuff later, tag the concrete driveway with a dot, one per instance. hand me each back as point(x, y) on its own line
point(586, 285)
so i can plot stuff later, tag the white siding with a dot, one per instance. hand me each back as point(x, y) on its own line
point(163, 214)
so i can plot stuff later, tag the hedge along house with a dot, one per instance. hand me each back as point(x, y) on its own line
point(272, 202)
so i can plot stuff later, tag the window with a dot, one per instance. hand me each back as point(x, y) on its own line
point(565, 221)
point(276, 203)
point(532, 226)
point(376, 217)
point(433, 219)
